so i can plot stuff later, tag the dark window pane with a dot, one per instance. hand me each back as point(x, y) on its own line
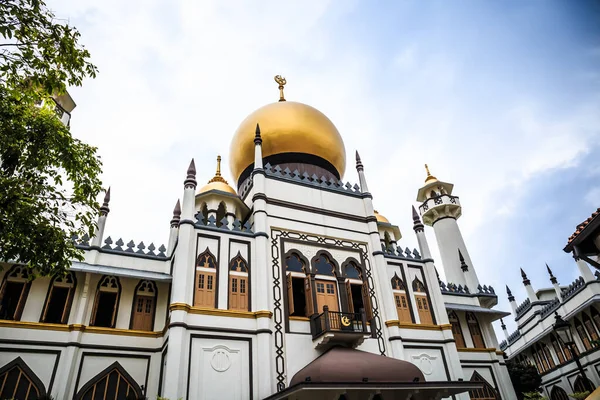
point(56, 307)
point(10, 300)
point(105, 309)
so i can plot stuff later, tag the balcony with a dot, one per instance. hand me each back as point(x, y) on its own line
point(335, 327)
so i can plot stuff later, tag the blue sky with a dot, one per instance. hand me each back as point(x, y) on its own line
point(501, 98)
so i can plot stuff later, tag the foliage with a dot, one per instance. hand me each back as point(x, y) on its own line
point(580, 395)
point(525, 378)
point(533, 396)
point(48, 179)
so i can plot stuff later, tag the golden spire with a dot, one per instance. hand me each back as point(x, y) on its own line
point(281, 80)
point(430, 178)
point(218, 177)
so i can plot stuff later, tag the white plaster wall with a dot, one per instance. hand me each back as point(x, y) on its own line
point(92, 365)
point(429, 361)
point(42, 364)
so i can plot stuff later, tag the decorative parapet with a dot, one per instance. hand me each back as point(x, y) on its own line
point(523, 308)
point(211, 222)
point(452, 288)
point(314, 180)
point(574, 288)
point(486, 290)
point(549, 308)
point(513, 337)
point(406, 253)
point(120, 247)
point(243, 191)
point(503, 345)
point(439, 200)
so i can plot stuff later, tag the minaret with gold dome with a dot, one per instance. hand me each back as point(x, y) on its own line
point(440, 210)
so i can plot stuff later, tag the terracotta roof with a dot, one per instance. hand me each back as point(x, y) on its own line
point(582, 225)
point(340, 364)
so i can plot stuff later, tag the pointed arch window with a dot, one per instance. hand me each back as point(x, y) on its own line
point(580, 384)
point(475, 331)
point(13, 293)
point(114, 383)
point(387, 241)
point(589, 326)
point(206, 280)
point(456, 329)
point(238, 284)
point(144, 306)
point(548, 355)
point(18, 381)
point(595, 317)
point(582, 334)
point(59, 299)
point(401, 300)
point(106, 303)
point(536, 359)
point(558, 393)
point(557, 349)
point(324, 266)
point(326, 289)
point(357, 289)
point(221, 213)
point(299, 288)
point(486, 393)
point(423, 306)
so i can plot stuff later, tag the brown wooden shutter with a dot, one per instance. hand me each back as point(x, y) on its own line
point(367, 301)
point(310, 308)
point(22, 300)
point(290, 293)
point(349, 297)
point(48, 302)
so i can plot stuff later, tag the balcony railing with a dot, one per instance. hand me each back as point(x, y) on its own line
point(338, 322)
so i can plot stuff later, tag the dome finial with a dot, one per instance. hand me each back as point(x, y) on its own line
point(281, 81)
point(218, 177)
point(430, 178)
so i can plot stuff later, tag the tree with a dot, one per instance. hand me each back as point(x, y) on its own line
point(49, 180)
point(525, 378)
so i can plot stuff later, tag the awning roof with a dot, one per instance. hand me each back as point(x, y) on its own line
point(119, 271)
point(495, 314)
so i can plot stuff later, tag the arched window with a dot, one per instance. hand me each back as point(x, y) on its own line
point(221, 213)
point(299, 289)
point(59, 299)
point(558, 393)
point(326, 289)
point(238, 284)
point(582, 334)
point(20, 382)
point(541, 356)
point(589, 326)
point(13, 293)
point(401, 300)
point(144, 306)
point(548, 355)
point(387, 241)
point(423, 306)
point(204, 211)
point(114, 383)
point(106, 303)
point(475, 331)
point(537, 360)
point(456, 329)
point(580, 385)
point(206, 280)
point(557, 349)
point(486, 393)
point(595, 317)
point(357, 289)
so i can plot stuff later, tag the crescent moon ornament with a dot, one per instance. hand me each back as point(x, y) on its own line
point(345, 321)
point(281, 81)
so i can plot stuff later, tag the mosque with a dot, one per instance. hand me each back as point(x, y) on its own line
point(283, 284)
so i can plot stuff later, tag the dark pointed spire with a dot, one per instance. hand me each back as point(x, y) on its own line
point(417, 224)
point(502, 324)
point(176, 215)
point(359, 164)
point(552, 277)
point(104, 209)
point(190, 181)
point(509, 293)
point(463, 265)
point(257, 137)
point(526, 281)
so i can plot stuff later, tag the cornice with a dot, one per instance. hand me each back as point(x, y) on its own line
point(79, 328)
point(426, 327)
point(219, 312)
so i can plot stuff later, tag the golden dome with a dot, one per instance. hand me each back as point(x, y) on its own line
point(381, 218)
point(287, 127)
point(217, 182)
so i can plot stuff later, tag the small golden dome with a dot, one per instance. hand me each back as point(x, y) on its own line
point(287, 127)
point(217, 182)
point(430, 178)
point(381, 218)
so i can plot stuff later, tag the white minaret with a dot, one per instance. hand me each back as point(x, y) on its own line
point(527, 283)
point(440, 210)
point(104, 210)
point(511, 300)
point(555, 284)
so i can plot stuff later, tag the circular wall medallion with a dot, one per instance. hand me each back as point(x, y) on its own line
point(425, 366)
point(220, 361)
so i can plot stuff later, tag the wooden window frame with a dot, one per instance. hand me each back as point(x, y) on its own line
point(588, 324)
point(421, 292)
point(99, 289)
point(585, 338)
point(137, 391)
point(68, 304)
point(474, 324)
point(204, 269)
point(136, 293)
point(24, 279)
point(558, 350)
point(236, 262)
point(485, 392)
point(455, 322)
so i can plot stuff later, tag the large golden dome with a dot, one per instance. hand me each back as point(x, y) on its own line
point(288, 127)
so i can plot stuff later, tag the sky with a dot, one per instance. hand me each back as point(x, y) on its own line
point(502, 99)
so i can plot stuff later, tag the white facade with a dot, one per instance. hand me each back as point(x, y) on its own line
point(199, 344)
point(535, 342)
